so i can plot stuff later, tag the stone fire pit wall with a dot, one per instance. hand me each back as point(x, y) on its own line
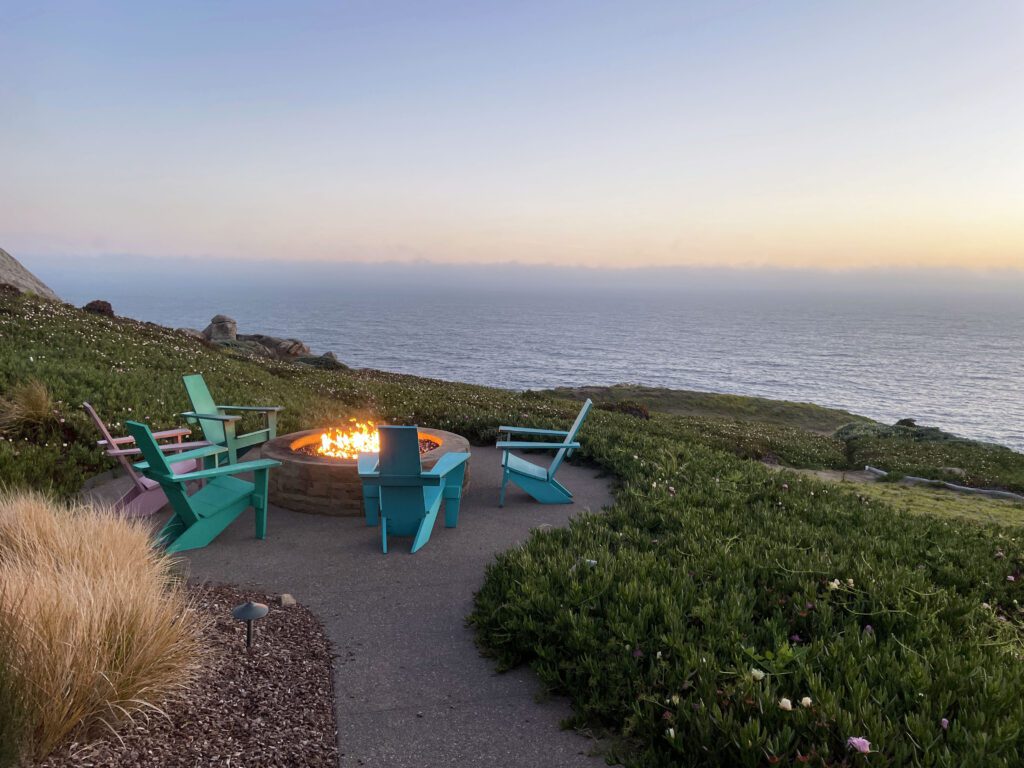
point(324, 486)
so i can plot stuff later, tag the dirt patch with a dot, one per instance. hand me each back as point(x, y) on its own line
point(272, 705)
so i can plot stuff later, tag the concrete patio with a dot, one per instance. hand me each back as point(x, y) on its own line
point(411, 687)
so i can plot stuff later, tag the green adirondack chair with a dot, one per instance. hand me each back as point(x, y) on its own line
point(198, 519)
point(402, 495)
point(219, 427)
point(539, 481)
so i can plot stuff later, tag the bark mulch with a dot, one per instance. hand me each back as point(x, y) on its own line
point(269, 706)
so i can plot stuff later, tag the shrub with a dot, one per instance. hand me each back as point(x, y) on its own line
point(28, 407)
point(93, 626)
point(708, 567)
point(932, 453)
point(628, 407)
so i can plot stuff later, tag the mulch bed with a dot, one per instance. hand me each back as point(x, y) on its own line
point(269, 706)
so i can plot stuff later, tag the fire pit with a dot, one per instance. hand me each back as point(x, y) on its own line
point(318, 472)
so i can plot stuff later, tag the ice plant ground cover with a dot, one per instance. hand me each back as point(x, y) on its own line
point(678, 620)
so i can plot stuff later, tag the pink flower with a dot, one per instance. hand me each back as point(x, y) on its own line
point(944, 723)
point(859, 743)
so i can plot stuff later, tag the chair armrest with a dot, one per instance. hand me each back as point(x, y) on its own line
point(513, 445)
point(213, 416)
point(118, 441)
point(367, 464)
point(177, 432)
point(262, 408)
point(198, 453)
point(228, 469)
point(447, 463)
point(128, 439)
point(165, 448)
point(531, 431)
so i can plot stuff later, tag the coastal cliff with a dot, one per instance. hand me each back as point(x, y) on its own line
point(12, 272)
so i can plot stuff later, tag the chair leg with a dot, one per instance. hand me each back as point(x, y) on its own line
point(261, 481)
point(384, 534)
point(451, 510)
point(371, 505)
point(504, 482)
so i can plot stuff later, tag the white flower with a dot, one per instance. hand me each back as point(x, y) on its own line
point(805, 701)
point(834, 584)
point(849, 583)
point(671, 733)
point(785, 704)
point(757, 674)
point(675, 698)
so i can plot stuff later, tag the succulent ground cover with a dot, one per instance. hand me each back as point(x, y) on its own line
point(720, 614)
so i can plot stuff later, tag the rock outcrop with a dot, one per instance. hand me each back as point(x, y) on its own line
point(13, 273)
point(284, 349)
point(223, 331)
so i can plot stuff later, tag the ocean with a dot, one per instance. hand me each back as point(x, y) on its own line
point(956, 362)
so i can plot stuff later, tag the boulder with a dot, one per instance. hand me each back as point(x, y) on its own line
point(99, 307)
point(221, 328)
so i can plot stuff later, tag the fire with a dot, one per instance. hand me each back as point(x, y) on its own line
point(361, 437)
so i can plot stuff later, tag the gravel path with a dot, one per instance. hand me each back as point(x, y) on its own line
point(411, 687)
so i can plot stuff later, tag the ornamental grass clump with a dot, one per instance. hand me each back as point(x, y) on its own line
point(27, 407)
point(93, 627)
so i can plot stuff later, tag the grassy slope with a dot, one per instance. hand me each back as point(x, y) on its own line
point(922, 500)
point(809, 436)
point(707, 565)
point(681, 402)
point(132, 370)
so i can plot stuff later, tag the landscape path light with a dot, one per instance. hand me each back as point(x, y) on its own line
point(249, 612)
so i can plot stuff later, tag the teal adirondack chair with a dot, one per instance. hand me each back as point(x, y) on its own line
point(198, 519)
point(538, 481)
point(219, 427)
point(404, 497)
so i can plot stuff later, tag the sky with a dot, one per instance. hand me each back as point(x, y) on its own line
point(720, 134)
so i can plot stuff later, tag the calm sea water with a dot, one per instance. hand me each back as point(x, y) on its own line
point(953, 362)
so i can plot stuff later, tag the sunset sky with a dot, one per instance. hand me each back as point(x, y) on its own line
point(830, 135)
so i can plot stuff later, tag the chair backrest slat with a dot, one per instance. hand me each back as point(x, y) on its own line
point(562, 453)
point(202, 402)
point(151, 452)
point(111, 445)
point(400, 458)
point(399, 451)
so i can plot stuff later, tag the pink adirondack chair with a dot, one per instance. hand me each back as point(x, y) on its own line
point(145, 496)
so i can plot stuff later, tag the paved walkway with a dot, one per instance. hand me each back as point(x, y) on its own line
point(411, 687)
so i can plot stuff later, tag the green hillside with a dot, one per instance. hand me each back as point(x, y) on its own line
point(719, 589)
point(681, 402)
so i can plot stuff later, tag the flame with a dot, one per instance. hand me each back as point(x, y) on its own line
point(361, 437)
